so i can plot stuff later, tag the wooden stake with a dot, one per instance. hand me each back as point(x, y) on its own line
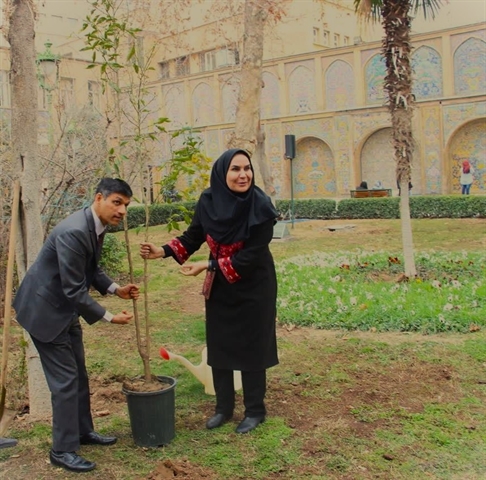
point(8, 294)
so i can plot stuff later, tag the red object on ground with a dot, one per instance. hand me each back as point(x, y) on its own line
point(164, 353)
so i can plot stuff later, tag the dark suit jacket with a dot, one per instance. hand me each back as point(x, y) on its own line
point(56, 286)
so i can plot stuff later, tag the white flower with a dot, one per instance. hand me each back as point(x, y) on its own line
point(456, 283)
point(369, 295)
point(448, 307)
point(331, 290)
point(353, 300)
point(436, 284)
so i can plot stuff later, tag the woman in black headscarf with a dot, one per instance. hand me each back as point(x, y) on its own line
point(236, 219)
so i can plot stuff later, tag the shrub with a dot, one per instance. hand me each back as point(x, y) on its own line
point(464, 206)
point(113, 255)
point(440, 206)
point(160, 214)
point(322, 208)
point(383, 207)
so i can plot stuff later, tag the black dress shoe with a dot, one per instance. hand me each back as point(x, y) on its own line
point(71, 461)
point(217, 420)
point(7, 442)
point(94, 438)
point(248, 424)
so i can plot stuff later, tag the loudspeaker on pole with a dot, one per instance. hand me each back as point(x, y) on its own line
point(290, 146)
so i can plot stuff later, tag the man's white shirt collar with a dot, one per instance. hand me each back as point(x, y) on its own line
point(99, 227)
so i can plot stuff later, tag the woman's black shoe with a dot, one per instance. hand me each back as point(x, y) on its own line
point(217, 420)
point(248, 424)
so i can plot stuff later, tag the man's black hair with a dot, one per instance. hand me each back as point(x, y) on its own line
point(108, 186)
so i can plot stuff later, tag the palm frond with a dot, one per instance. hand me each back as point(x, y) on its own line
point(369, 9)
point(429, 7)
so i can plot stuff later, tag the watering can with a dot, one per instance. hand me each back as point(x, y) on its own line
point(202, 371)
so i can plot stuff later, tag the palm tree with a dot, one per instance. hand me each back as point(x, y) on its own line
point(397, 48)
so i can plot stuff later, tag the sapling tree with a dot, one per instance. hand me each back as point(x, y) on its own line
point(125, 74)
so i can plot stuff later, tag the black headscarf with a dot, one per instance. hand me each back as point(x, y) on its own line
point(226, 215)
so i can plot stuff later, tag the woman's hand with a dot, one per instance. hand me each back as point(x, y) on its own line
point(151, 251)
point(194, 269)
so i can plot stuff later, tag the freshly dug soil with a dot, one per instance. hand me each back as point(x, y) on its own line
point(139, 384)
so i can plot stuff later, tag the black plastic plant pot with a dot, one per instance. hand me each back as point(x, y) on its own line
point(152, 414)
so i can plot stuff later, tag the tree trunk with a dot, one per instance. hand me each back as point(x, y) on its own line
point(24, 145)
point(247, 129)
point(260, 159)
point(407, 239)
point(398, 85)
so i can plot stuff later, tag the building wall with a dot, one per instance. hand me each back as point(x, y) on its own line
point(333, 102)
point(330, 96)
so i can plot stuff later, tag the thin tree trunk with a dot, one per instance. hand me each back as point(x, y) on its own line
point(407, 238)
point(398, 84)
point(26, 167)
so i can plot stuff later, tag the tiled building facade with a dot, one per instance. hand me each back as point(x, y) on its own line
point(333, 102)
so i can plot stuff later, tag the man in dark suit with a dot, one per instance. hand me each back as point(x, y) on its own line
point(50, 299)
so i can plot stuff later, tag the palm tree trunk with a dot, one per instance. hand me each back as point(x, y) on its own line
point(398, 84)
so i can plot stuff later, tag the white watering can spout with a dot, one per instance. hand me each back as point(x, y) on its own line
point(202, 371)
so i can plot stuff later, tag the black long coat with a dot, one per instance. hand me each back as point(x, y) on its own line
point(241, 309)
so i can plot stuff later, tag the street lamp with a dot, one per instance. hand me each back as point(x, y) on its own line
point(48, 78)
point(48, 69)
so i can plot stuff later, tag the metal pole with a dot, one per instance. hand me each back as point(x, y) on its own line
point(291, 192)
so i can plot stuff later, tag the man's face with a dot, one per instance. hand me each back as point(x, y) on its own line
point(112, 209)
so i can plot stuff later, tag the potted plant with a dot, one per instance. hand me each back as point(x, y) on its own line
point(150, 398)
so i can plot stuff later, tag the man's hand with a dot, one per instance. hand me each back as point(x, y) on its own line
point(151, 251)
point(194, 269)
point(130, 291)
point(122, 318)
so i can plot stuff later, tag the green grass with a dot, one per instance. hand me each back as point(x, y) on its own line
point(353, 402)
point(359, 290)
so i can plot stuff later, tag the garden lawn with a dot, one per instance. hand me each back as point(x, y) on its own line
point(365, 401)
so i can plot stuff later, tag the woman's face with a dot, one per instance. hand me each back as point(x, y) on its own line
point(240, 174)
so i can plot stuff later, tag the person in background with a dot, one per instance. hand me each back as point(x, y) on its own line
point(378, 185)
point(52, 296)
point(236, 219)
point(362, 186)
point(466, 179)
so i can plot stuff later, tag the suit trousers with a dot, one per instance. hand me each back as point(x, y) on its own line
point(254, 389)
point(64, 366)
